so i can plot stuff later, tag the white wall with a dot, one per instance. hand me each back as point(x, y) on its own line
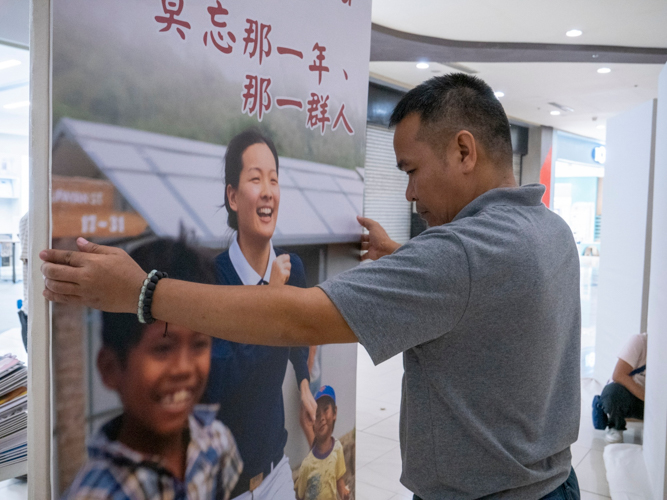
point(622, 297)
point(655, 415)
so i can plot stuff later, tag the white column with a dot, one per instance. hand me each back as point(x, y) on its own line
point(39, 323)
point(655, 415)
point(625, 250)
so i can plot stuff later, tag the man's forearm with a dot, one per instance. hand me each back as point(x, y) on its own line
point(279, 316)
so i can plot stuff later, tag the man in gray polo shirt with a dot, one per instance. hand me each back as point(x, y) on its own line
point(484, 305)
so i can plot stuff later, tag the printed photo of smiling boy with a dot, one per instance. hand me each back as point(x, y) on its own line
point(163, 445)
point(321, 473)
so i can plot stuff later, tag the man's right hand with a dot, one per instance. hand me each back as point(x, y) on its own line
point(377, 241)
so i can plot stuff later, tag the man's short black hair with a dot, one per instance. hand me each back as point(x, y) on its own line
point(450, 103)
point(122, 331)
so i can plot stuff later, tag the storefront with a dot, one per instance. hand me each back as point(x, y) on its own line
point(577, 189)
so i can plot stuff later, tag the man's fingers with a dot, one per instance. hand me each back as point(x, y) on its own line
point(88, 247)
point(365, 237)
point(62, 287)
point(60, 272)
point(64, 257)
point(364, 256)
point(365, 245)
point(62, 299)
point(366, 222)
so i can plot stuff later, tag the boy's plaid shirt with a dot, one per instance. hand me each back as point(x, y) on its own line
point(113, 470)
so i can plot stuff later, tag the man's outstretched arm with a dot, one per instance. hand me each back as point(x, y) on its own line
point(108, 279)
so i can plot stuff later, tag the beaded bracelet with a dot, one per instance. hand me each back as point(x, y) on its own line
point(146, 296)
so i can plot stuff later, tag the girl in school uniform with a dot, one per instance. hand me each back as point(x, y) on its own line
point(246, 380)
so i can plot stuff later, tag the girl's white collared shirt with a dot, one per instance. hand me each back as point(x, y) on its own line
point(245, 271)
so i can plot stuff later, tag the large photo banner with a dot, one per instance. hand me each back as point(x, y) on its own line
point(220, 141)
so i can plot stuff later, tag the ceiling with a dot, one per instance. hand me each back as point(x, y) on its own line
point(636, 23)
point(14, 88)
point(508, 44)
point(530, 87)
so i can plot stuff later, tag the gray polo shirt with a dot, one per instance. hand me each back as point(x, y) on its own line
point(486, 312)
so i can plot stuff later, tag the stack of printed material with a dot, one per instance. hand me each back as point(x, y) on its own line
point(13, 411)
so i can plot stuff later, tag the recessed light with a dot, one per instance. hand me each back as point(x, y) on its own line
point(600, 127)
point(9, 63)
point(422, 65)
point(499, 94)
point(555, 113)
point(604, 70)
point(573, 33)
point(16, 105)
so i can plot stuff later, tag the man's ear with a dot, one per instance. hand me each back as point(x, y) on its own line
point(466, 150)
point(231, 197)
point(110, 368)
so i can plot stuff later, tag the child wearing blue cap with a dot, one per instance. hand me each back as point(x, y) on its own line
point(321, 473)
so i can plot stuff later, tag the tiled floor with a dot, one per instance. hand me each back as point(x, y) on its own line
point(378, 455)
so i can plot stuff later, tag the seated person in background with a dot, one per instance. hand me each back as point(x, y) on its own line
point(321, 473)
point(624, 396)
point(163, 445)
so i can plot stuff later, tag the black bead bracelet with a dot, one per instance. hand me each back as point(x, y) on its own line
point(146, 296)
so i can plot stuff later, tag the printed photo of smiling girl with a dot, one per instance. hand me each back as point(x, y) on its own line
point(247, 380)
point(163, 444)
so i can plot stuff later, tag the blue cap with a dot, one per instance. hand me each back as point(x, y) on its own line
point(326, 390)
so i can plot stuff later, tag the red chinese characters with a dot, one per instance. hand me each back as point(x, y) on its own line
point(318, 64)
point(347, 2)
point(172, 9)
point(256, 96)
point(318, 112)
point(219, 43)
point(287, 102)
point(286, 51)
point(340, 117)
point(257, 39)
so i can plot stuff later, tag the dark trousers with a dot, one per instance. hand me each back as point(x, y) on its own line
point(24, 329)
point(569, 490)
point(619, 404)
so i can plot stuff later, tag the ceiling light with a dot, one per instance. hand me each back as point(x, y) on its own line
point(16, 105)
point(422, 65)
point(562, 107)
point(555, 113)
point(600, 127)
point(499, 94)
point(9, 63)
point(604, 70)
point(573, 33)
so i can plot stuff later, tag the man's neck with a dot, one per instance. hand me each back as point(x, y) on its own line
point(172, 448)
point(256, 252)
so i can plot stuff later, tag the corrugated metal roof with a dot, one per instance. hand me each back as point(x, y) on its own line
point(171, 180)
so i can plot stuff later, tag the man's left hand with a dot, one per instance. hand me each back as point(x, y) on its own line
point(97, 276)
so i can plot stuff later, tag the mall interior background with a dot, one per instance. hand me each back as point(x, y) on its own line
point(560, 89)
